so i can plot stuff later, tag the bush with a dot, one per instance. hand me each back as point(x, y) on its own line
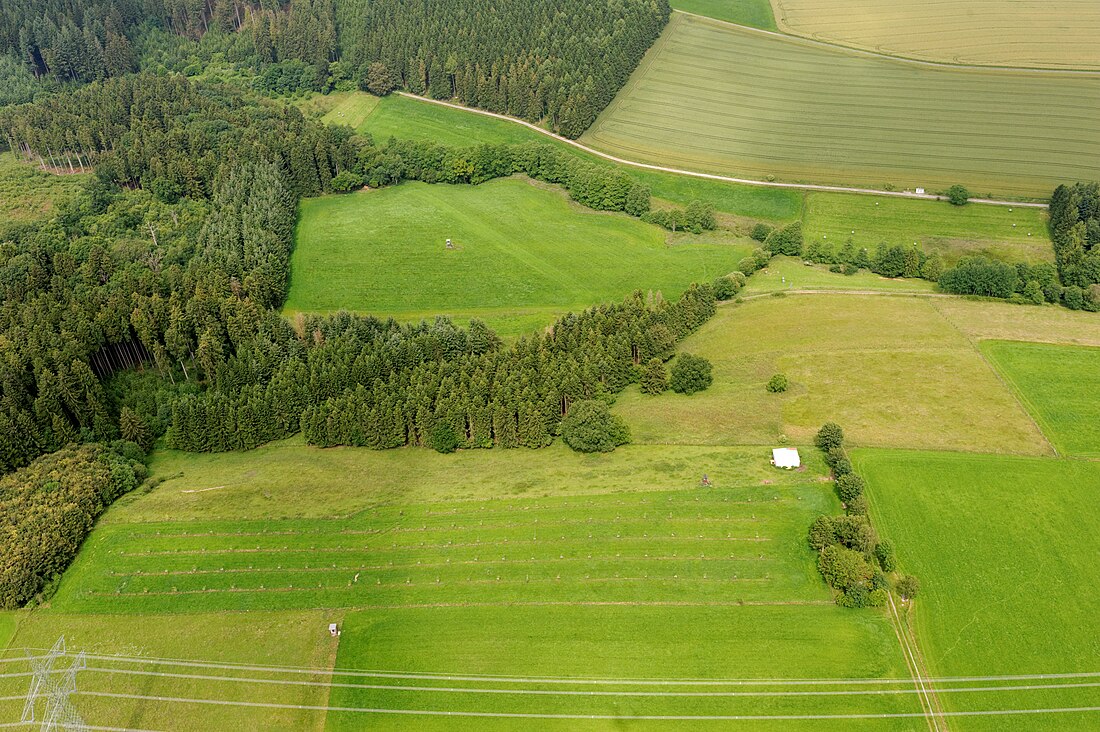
point(822, 533)
point(345, 181)
point(843, 568)
point(884, 555)
point(908, 587)
point(980, 276)
point(777, 383)
point(1033, 293)
point(787, 240)
point(443, 438)
point(654, 377)
point(760, 232)
point(726, 288)
point(690, 374)
point(637, 200)
point(829, 436)
point(589, 426)
point(1073, 297)
point(849, 487)
point(957, 195)
point(857, 506)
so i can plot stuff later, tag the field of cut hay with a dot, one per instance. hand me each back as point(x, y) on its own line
point(1029, 33)
point(719, 99)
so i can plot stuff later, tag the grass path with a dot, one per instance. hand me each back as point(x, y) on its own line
point(713, 176)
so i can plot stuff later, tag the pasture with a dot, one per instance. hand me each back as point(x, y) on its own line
point(523, 255)
point(1059, 386)
point(512, 563)
point(1029, 33)
point(719, 99)
point(1008, 234)
point(29, 194)
point(755, 13)
point(892, 370)
point(791, 273)
point(1005, 549)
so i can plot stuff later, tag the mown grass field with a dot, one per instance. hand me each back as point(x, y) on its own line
point(892, 370)
point(1031, 33)
point(784, 274)
point(1059, 386)
point(491, 563)
point(28, 194)
point(718, 99)
point(1009, 234)
point(755, 13)
point(1005, 549)
point(523, 255)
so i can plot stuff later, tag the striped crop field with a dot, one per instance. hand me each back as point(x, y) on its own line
point(720, 99)
point(1031, 33)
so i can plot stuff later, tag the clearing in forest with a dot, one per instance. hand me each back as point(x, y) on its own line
point(27, 193)
point(720, 99)
point(1056, 34)
point(1059, 386)
point(1005, 549)
point(522, 254)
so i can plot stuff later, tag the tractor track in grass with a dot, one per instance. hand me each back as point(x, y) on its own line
point(712, 176)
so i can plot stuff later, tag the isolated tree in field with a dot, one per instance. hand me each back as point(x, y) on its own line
point(908, 587)
point(690, 374)
point(829, 436)
point(777, 383)
point(958, 195)
point(589, 426)
point(654, 377)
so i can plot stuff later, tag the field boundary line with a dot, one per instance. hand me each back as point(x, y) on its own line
point(914, 671)
point(787, 32)
point(712, 176)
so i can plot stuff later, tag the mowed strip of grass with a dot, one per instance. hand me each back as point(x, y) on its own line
point(629, 644)
point(755, 13)
point(1005, 549)
point(890, 369)
point(980, 320)
point(723, 546)
point(298, 639)
point(1040, 33)
point(1059, 386)
point(1010, 234)
point(720, 99)
point(517, 247)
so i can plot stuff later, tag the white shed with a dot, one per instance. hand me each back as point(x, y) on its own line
point(785, 457)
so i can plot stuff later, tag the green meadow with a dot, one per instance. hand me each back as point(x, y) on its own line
point(792, 273)
point(1059, 386)
point(1017, 234)
point(523, 254)
point(1005, 549)
point(28, 194)
point(755, 13)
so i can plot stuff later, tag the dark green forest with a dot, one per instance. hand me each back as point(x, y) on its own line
point(561, 61)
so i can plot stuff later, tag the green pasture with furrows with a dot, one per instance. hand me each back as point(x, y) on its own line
point(521, 255)
point(1029, 33)
point(755, 13)
point(719, 99)
point(1005, 549)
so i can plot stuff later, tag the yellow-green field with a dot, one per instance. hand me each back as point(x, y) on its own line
point(721, 99)
point(893, 370)
point(1029, 33)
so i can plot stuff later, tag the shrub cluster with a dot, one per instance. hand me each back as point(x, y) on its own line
point(48, 507)
point(690, 374)
point(852, 558)
point(591, 427)
point(777, 384)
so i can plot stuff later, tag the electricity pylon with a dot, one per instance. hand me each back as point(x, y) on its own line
point(53, 687)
